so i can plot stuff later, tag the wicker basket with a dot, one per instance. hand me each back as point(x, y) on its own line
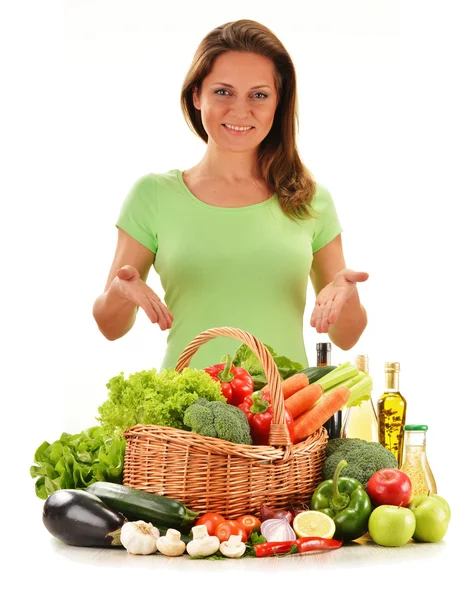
point(208, 474)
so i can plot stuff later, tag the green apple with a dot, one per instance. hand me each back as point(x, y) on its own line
point(432, 518)
point(437, 497)
point(391, 525)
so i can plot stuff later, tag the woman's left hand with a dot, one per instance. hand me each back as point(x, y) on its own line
point(331, 298)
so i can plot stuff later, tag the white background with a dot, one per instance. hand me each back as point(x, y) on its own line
point(91, 103)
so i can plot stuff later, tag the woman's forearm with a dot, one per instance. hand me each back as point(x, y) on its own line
point(351, 323)
point(114, 314)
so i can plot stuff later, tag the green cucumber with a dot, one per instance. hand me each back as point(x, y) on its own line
point(316, 373)
point(136, 505)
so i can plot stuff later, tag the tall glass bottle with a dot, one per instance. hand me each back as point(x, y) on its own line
point(415, 462)
point(324, 354)
point(334, 424)
point(392, 408)
point(361, 421)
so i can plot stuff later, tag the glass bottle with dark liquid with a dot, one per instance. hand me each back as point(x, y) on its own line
point(324, 359)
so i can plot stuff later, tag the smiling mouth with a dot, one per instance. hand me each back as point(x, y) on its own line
point(238, 131)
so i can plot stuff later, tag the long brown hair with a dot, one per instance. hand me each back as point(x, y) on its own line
point(278, 160)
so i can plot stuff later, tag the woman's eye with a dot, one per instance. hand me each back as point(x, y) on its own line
point(256, 94)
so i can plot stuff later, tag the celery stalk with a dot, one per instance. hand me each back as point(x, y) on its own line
point(338, 376)
point(360, 386)
point(360, 392)
point(349, 383)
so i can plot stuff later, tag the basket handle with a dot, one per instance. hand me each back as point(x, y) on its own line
point(279, 434)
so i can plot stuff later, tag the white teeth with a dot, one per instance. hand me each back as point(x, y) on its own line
point(237, 128)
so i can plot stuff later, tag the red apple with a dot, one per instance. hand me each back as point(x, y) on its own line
point(389, 486)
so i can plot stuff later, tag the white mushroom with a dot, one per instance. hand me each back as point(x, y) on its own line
point(171, 544)
point(233, 548)
point(202, 543)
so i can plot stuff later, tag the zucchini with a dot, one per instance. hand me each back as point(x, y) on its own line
point(136, 505)
point(316, 373)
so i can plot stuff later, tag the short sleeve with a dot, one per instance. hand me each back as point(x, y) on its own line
point(139, 212)
point(326, 225)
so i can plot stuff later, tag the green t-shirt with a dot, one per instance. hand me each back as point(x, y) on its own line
point(245, 267)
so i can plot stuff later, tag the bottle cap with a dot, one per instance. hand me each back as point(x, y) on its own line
point(323, 346)
point(415, 428)
point(361, 362)
point(392, 367)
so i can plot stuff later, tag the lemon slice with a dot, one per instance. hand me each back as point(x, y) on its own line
point(312, 523)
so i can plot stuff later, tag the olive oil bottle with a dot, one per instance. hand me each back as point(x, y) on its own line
point(392, 408)
point(361, 421)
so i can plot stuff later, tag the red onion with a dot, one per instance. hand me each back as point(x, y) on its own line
point(277, 530)
point(295, 510)
point(271, 513)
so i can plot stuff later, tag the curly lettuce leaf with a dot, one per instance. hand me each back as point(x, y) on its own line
point(78, 460)
point(152, 398)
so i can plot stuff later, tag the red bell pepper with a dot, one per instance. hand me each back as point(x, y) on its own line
point(259, 412)
point(308, 544)
point(236, 382)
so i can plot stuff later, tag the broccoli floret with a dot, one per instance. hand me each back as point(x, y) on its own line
point(363, 458)
point(331, 463)
point(337, 444)
point(217, 419)
point(199, 418)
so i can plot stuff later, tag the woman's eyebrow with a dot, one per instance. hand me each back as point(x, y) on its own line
point(231, 86)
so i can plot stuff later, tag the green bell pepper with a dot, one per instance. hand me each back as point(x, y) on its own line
point(346, 502)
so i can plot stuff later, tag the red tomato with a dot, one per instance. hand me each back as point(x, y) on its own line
point(211, 520)
point(228, 528)
point(250, 523)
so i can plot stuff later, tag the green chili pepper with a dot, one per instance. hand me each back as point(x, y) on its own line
point(346, 502)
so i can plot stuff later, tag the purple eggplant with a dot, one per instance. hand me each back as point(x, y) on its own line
point(79, 518)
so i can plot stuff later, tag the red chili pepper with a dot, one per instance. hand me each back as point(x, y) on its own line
point(308, 544)
point(259, 413)
point(236, 383)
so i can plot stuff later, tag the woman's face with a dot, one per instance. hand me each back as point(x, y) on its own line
point(239, 91)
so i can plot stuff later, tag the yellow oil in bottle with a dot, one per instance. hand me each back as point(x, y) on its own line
point(392, 413)
point(416, 464)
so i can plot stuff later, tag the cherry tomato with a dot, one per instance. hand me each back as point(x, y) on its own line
point(211, 520)
point(250, 523)
point(228, 528)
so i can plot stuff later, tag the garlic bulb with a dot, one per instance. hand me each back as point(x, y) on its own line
point(139, 537)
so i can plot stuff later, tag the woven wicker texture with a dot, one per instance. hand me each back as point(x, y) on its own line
point(208, 474)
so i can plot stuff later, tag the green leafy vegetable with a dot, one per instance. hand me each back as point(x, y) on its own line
point(76, 461)
point(152, 398)
point(253, 539)
point(246, 358)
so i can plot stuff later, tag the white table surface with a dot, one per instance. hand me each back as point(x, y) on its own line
point(44, 567)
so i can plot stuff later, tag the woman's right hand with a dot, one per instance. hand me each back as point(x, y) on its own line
point(128, 284)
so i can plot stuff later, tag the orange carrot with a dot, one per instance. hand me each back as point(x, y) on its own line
point(291, 385)
point(304, 399)
point(308, 423)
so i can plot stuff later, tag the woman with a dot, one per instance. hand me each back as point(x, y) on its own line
point(235, 238)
